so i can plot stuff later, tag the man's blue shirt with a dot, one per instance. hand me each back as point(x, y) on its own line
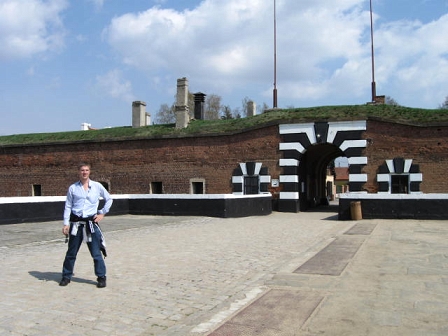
point(84, 203)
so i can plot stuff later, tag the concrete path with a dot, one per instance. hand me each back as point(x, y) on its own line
point(282, 274)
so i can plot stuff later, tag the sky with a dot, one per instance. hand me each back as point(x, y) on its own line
point(64, 63)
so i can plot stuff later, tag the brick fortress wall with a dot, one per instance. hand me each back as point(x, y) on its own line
point(130, 166)
point(426, 146)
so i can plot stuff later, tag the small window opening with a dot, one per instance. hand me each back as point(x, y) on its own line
point(156, 188)
point(400, 184)
point(37, 190)
point(197, 187)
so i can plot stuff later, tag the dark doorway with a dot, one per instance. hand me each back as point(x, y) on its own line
point(313, 169)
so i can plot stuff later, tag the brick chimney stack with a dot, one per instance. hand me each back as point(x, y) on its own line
point(251, 108)
point(181, 108)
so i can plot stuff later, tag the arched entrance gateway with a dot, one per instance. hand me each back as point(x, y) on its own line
point(307, 150)
point(313, 173)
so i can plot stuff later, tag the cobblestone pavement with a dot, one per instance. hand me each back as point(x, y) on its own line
point(199, 276)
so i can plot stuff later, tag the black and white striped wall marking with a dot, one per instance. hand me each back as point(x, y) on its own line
point(297, 138)
point(399, 166)
point(249, 169)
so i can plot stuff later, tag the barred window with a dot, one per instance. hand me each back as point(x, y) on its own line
point(400, 184)
point(251, 185)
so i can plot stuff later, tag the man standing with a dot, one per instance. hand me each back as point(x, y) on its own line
point(81, 218)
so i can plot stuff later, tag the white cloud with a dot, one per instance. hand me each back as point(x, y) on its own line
point(29, 27)
point(223, 44)
point(323, 50)
point(413, 60)
point(114, 85)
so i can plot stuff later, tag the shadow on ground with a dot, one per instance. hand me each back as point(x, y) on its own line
point(56, 277)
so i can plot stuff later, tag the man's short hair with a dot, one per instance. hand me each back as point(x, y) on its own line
point(83, 164)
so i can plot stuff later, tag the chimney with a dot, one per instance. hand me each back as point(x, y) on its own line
point(251, 108)
point(199, 99)
point(181, 108)
point(139, 115)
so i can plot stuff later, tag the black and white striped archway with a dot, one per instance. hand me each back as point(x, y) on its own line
point(346, 136)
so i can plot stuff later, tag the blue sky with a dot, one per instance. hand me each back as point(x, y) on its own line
point(68, 62)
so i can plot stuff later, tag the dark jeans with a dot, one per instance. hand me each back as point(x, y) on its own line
point(74, 243)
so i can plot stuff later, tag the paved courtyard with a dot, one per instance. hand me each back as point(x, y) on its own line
point(282, 274)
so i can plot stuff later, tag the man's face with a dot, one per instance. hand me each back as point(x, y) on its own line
point(84, 172)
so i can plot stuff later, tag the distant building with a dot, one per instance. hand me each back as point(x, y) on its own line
point(341, 179)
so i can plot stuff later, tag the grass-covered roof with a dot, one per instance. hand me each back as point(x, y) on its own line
point(390, 113)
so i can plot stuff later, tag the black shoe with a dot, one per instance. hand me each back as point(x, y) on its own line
point(64, 282)
point(101, 282)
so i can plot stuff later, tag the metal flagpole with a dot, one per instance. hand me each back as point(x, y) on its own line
point(275, 60)
point(373, 55)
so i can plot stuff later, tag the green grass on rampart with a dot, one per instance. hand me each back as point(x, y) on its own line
point(390, 113)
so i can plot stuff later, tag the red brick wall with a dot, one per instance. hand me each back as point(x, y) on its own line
point(427, 146)
point(130, 166)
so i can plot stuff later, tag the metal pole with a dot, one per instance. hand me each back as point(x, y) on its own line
point(275, 59)
point(373, 55)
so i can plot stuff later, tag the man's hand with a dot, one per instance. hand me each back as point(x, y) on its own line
point(98, 218)
point(65, 230)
